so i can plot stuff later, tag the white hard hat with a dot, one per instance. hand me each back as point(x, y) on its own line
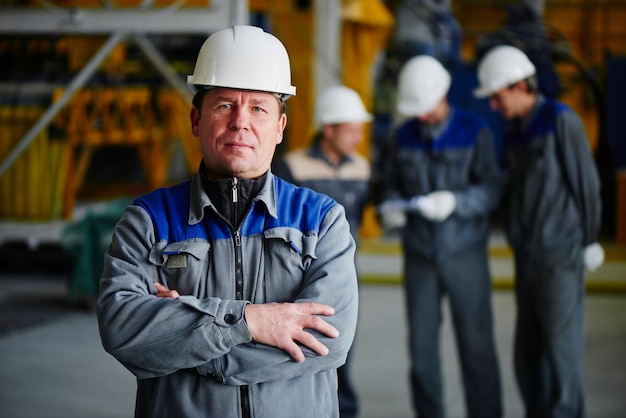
point(246, 58)
point(422, 83)
point(340, 104)
point(501, 67)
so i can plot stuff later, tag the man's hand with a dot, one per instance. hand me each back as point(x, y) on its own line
point(164, 292)
point(436, 206)
point(593, 256)
point(283, 324)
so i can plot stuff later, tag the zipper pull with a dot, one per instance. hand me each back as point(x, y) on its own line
point(234, 182)
point(237, 239)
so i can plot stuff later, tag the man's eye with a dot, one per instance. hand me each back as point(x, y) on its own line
point(258, 109)
point(225, 106)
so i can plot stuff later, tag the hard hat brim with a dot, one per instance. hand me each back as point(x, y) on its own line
point(196, 87)
point(335, 121)
point(483, 92)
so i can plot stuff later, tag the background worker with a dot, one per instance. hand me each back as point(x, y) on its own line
point(443, 165)
point(233, 293)
point(332, 166)
point(552, 221)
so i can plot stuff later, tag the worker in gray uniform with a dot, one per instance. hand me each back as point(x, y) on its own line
point(332, 166)
point(443, 173)
point(552, 222)
point(233, 294)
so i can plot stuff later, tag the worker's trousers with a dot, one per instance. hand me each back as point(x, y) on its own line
point(466, 281)
point(549, 338)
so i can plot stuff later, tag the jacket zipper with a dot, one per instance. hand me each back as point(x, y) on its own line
point(245, 402)
point(234, 183)
point(243, 390)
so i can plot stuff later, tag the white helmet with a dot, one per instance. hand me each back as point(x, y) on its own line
point(339, 104)
point(501, 67)
point(243, 57)
point(422, 83)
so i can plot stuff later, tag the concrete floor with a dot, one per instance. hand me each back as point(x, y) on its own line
point(53, 365)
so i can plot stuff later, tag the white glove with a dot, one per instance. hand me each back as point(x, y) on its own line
point(593, 256)
point(392, 214)
point(394, 205)
point(436, 206)
point(391, 220)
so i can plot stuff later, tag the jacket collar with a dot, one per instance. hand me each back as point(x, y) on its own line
point(199, 200)
point(315, 151)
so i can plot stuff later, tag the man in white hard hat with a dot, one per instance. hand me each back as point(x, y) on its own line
point(332, 166)
point(552, 223)
point(233, 294)
point(443, 169)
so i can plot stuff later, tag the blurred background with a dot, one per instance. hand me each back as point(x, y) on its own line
point(93, 102)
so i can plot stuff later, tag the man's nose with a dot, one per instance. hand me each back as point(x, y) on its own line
point(240, 119)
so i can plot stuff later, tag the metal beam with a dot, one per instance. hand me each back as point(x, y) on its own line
point(80, 80)
point(161, 64)
point(106, 21)
point(327, 44)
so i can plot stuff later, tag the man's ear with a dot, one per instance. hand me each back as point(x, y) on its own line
point(194, 117)
point(282, 123)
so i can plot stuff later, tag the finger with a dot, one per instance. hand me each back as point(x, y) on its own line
point(313, 308)
point(295, 352)
point(311, 342)
point(318, 324)
point(160, 287)
point(164, 292)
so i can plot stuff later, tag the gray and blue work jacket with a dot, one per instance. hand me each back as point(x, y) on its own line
point(194, 356)
point(457, 155)
point(553, 192)
point(346, 182)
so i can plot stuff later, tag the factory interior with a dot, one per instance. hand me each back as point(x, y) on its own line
point(94, 112)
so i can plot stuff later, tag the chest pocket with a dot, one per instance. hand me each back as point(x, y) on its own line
point(455, 166)
point(181, 264)
point(288, 254)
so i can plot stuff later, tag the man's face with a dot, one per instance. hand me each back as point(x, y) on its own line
point(238, 132)
point(343, 138)
point(437, 115)
point(507, 102)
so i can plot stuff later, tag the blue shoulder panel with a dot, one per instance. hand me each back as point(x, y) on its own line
point(298, 207)
point(461, 133)
point(544, 121)
point(542, 125)
point(409, 136)
point(169, 209)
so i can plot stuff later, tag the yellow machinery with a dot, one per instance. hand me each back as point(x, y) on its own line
point(95, 117)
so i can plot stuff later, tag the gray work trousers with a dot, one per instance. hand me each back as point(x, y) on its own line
point(466, 280)
point(549, 338)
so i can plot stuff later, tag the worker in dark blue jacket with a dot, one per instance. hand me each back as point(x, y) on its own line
point(552, 222)
point(443, 166)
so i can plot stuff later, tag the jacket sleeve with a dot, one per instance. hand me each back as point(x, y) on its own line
point(154, 336)
point(580, 173)
point(330, 279)
point(483, 192)
point(386, 182)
